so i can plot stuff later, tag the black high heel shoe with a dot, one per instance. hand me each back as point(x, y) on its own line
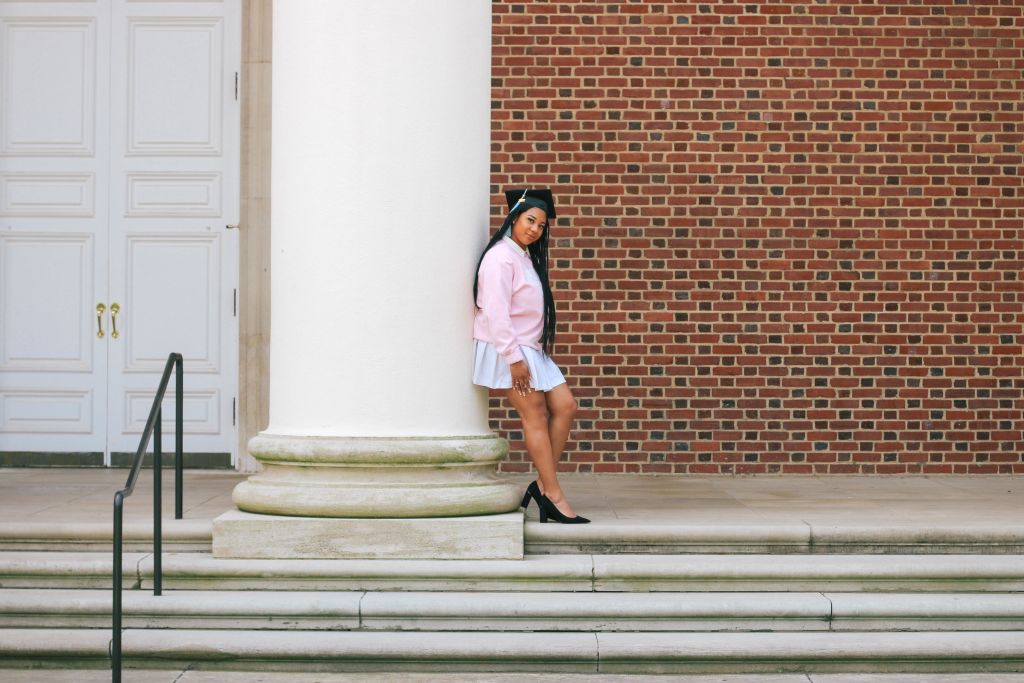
point(548, 509)
point(532, 491)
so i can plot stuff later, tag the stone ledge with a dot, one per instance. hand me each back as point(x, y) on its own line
point(200, 571)
point(777, 537)
point(549, 652)
point(665, 653)
point(599, 538)
point(179, 535)
point(1005, 536)
point(702, 573)
point(939, 573)
point(630, 537)
point(244, 535)
point(516, 611)
point(32, 569)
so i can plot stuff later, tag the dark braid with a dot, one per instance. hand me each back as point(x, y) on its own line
point(539, 257)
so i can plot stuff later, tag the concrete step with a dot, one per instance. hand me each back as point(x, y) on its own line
point(893, 537)
point(462, 611)
point(67, 569)
point(915, 537)
point(661, 653)
point(189, 675)
point(630, 573)
point(179, 535)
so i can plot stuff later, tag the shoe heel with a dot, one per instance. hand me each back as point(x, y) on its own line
point(549, 509)
point(526, 500)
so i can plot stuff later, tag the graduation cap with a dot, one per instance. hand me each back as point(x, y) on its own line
point(540, 199)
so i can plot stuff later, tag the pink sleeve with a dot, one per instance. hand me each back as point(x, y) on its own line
point(495, 289)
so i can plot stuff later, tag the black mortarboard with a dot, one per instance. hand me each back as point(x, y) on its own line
point(541, 199)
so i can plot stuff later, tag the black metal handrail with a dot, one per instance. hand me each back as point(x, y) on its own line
point(153, 429)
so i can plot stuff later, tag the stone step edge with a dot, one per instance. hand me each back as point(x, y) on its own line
point(796, 537)
point(543, 572)
point(583, 652)
point(174, 530)
point(803, 534)
point(520, 606)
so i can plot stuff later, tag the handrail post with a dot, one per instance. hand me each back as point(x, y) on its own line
point(179, 390)
point(115, 642)
point(157, 544)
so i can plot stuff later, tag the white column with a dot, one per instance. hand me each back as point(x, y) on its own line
point(379, 192)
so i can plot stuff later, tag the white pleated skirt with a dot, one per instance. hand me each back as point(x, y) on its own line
point(491, 370)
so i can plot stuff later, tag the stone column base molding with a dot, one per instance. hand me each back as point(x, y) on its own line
point(377, 477)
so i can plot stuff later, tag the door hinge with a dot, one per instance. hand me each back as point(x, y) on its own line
point(234, 302)
point(236, 86)
point(233, 400)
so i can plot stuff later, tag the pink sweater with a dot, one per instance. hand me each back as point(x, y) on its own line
point(510, 300)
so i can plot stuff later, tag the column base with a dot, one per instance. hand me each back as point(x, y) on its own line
point(244, 535)
point(407, 477)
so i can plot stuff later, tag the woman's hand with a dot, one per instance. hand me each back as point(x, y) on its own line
point(520, 377)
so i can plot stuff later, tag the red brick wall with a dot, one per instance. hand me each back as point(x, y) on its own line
point(789, 235)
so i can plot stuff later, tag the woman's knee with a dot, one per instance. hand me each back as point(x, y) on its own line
point(532, 409)
point(565, 407)
point(535, 413)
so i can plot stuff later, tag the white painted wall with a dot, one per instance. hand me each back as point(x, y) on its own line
point(380, 194)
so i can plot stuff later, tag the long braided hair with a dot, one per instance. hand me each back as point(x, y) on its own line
point(539, 257)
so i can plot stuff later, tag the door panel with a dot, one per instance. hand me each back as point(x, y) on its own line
point(53, 234)
point(48, 359)
point(47, 61)
point(187, 317)
point(45, 293)
point(169, 193)
point(200, 412)
point(45, 411)
point(47, 194)
point(173, 190)
point(175, 66)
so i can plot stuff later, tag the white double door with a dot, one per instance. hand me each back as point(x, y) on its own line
point(119, 167)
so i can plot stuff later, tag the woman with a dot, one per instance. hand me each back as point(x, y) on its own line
point(513, 330)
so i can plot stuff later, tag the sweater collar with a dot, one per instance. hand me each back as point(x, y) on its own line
point(512, 243)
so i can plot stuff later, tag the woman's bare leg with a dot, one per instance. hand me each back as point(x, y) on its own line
point(561, 411)
point(533, 414)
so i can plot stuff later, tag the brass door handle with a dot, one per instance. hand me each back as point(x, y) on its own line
point(100, 310)
point(114, 310)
